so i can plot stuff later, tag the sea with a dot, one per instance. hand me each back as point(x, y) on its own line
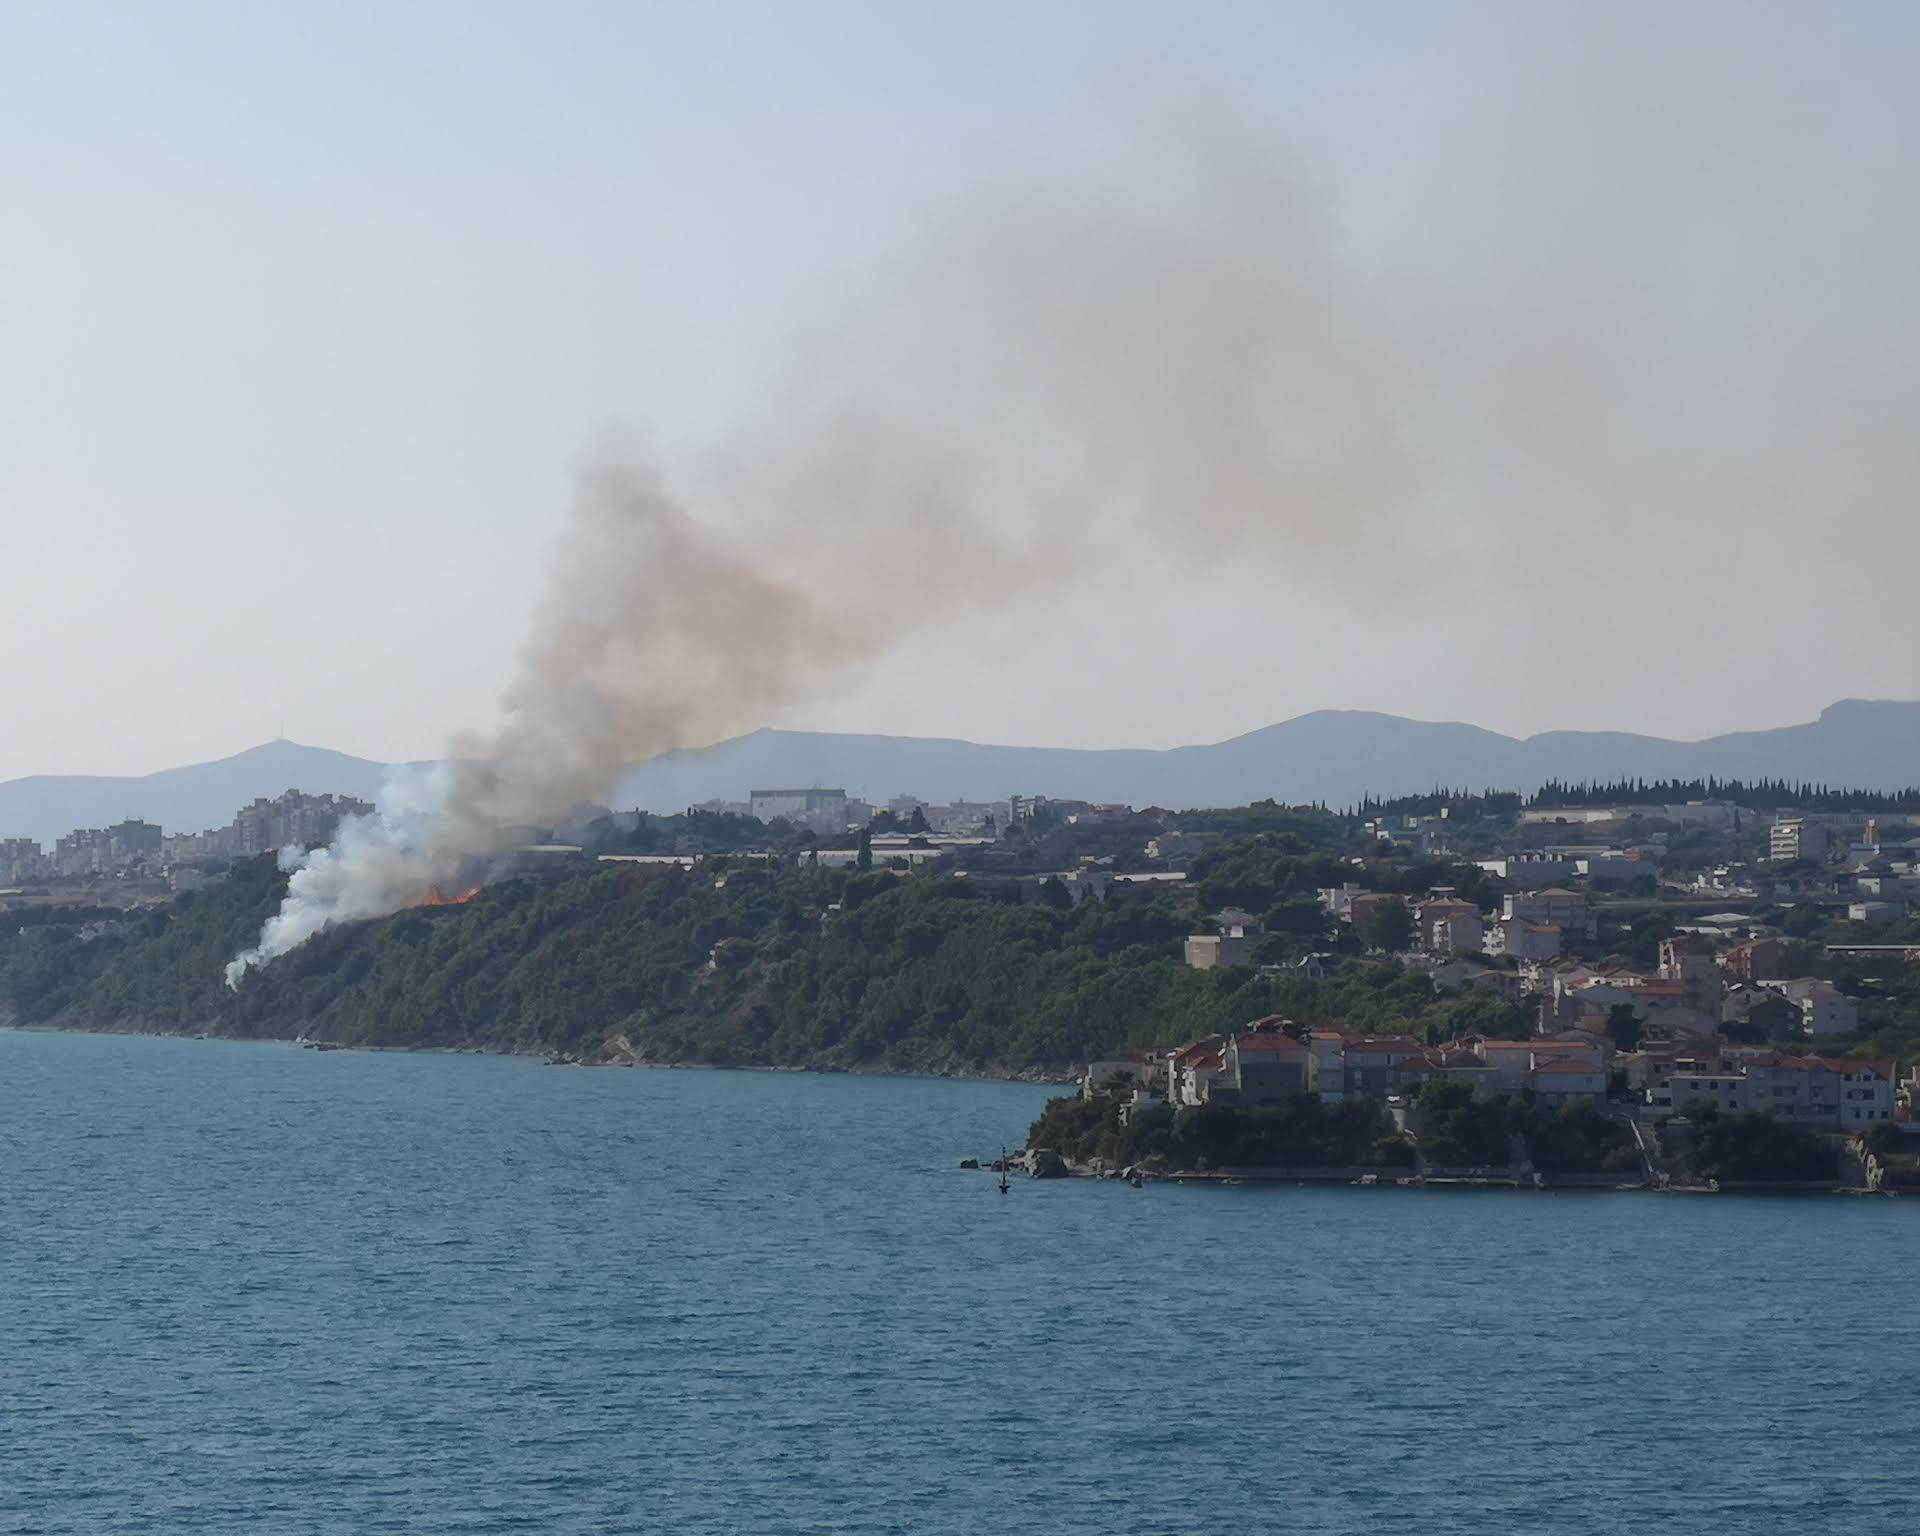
point(253, 1288)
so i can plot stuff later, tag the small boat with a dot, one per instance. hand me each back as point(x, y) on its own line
point(1004, 1185)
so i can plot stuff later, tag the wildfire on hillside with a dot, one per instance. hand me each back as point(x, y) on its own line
point(437, 898)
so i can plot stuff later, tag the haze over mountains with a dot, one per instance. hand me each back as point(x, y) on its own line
point(1332, 755)
point(186, 799)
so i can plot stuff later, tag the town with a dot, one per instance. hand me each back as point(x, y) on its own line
point(1679, 963)
point(1642, 953)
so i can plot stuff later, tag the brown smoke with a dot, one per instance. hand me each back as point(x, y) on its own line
point(1043, 382)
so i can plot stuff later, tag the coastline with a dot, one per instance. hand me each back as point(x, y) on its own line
point(1028, 1076)
point(1358, 1177)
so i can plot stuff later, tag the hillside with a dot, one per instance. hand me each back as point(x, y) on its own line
point(770, 967)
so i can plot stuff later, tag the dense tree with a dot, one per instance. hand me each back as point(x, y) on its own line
point(1754, 1147)
point(1623, 1027)
point(1386, 925)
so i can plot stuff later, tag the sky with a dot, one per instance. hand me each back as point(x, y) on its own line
point(1590, 334)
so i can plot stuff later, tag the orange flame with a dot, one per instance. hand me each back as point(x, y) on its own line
point(435, 898)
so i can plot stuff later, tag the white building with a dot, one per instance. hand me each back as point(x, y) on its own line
point(1826, 1010)
point(1876, 912)
point(1797, 840)
point(1206, 951)
point(1531, 871)
point(1523, 941)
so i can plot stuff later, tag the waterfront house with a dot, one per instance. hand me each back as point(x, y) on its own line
point(1265, 1064)
point(1342, 1064)
point(1194, 1071)
point(1819, 1092)
point(1460, 1064)
point(1513, 1060)
point(1564, 1081)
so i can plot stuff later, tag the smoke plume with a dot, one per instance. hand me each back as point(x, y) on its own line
point(1040, 382)
point(1611, 344)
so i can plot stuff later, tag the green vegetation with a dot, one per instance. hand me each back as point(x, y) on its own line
point(739, 963)
point(1754, 1147)
point(1463, 1132)
point(1386, 925)
point(1302, 1133)
point(1758, 794)
point(750, 962)
point(1623, 1027)
point(1580, 1139)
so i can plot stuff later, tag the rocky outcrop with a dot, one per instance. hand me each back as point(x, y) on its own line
point(1045, 1163)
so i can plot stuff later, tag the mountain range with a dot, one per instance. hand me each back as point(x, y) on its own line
point(1332, 755)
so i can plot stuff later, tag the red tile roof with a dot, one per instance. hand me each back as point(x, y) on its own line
point(1270, 1045)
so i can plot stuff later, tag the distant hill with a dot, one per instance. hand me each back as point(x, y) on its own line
point(1331, 755)
point(187, 799)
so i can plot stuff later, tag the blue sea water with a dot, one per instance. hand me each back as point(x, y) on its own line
point(250, 1288)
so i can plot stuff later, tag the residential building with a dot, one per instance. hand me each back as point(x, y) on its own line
point(292, 819)
point(1173, 847)
point(1826, 1010)
point(1514, 1060)
point(1522, 941)
point(1092, 815)
point(1553, 906)
point(1358, 906)
point(1757, 960)
point(1876, 912)
point(1231, 943)
point(1207, 951)
point(1761, 1010)
point(1819, 1092)
point(1338, 899)
point(984, 818)
point(1531, 871)
point(1562, 1081)
point(1193, 1070)
point(1667, 1011)
point(823, 810)
point(1460, 1064)
point(1343, 1064)
point(1265, 1064)
point(1446, 925)
point(1725, 1091)
point(1832, 1090)
point(1797, 839)
point(1687, 960)
point(21, 860)
point(1137, 1068)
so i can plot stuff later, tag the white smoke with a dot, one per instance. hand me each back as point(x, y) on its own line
point(376, 864)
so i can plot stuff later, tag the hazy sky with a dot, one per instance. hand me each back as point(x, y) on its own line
point(309, 313)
